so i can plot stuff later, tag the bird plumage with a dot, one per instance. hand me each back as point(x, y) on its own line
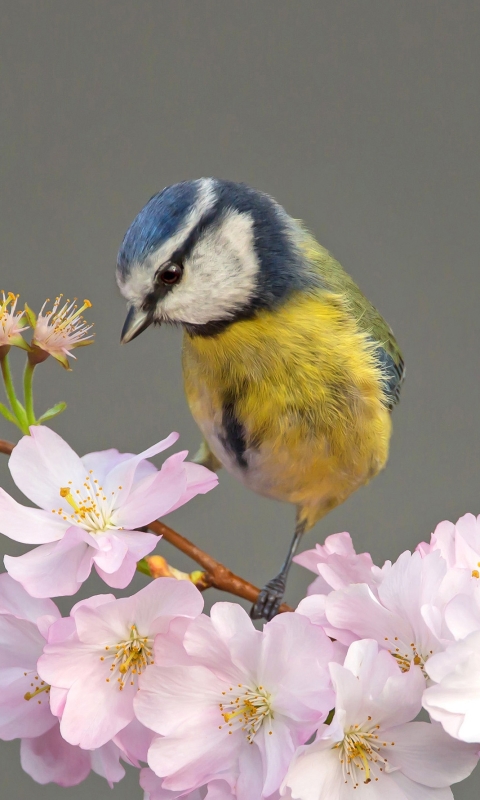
point(290, 372)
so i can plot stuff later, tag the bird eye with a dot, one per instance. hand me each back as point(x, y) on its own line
point(170, 275)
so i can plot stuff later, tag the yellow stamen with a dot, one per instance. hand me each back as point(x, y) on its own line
point(361, 754)
point(30, 695)
point(67, 494)
point(68, 320)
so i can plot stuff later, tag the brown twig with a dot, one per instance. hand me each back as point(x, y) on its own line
point(216, 574)
point(6, 447)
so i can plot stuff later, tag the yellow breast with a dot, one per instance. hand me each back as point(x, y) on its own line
point(305, 392)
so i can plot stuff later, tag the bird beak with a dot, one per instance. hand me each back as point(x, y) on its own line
point(135, 323)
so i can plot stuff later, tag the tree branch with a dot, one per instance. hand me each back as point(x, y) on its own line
point(216, 574)
point(6, 447)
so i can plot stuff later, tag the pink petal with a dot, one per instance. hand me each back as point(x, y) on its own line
point(95, 711)
point(147, 503)
point(50, 759)
point(105, 762)
point(295, 656)
point(152, 785)
point(21, 643)
point(24, 718)
point(15, 600)
point(166, 597)
point(58, 698)
point(356, 609)
point(190, 762)
point(134, 741)
point(277, 750)
point(103, 461)
point(51, 570)
point(139, 543)
point(63, 663)
point(413, 790)
point(123, 474)
point(29, 525)
point(426, 754)
point(315, 774)
point(209, 647)
point(124, 574)
point(41, 464)
point(172, 697)
point(200, 480)
point(111, 552)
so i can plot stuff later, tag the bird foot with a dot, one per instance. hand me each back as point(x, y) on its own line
point(270, 599)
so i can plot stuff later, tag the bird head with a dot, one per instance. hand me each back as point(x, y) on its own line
point(206, 253)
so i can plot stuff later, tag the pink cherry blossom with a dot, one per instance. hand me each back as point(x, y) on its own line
point(455, 699)
point(24, 705)
point(459, 545)
point(153, 787)
point(50, 759)
point(92, 660)
point(11, 323)
point(371, 741)
point(90, 510)
point(338, 565)
point(24, 621)
point(59, 331)
point(407, 616)
point(234, 700)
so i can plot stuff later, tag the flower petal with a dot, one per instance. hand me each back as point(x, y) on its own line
point(15, 600)
point(152, 498)
point(314, 774)
point(123, 474)
point(50, 759)
point(428, 755)
point(51, 570)
point(200, 480)
point(124, 574)
point(20, 717)
point(95, 711)
point(106, 763)
point(41, 464)
point(29, 525)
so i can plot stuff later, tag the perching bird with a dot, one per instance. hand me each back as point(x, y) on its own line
point(289, 371)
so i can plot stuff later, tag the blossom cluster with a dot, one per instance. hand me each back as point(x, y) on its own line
point(319, 705)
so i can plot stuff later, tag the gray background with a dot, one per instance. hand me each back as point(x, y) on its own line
point(359, 117)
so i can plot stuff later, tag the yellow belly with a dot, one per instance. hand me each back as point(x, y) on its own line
point(307, 394)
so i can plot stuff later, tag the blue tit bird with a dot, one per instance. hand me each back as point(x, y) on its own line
point(289, 371)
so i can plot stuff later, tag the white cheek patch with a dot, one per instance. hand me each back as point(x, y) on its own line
point(141, 278)
point(220, 275)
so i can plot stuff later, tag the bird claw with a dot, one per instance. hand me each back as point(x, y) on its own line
point(269, 600)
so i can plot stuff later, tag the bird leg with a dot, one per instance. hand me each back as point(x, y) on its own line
point(271, 596)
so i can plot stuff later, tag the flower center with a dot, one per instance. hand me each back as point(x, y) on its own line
point(92, 510)
point(129, 658)
point(246, 709)
point(62, 327)
point(38, 687)
point(9, 298)
point(475, 572)
point(359, 754)
point(406, 655)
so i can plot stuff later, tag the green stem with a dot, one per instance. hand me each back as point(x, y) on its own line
point(28, 392)
point(15, 405)
point(142, 566)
